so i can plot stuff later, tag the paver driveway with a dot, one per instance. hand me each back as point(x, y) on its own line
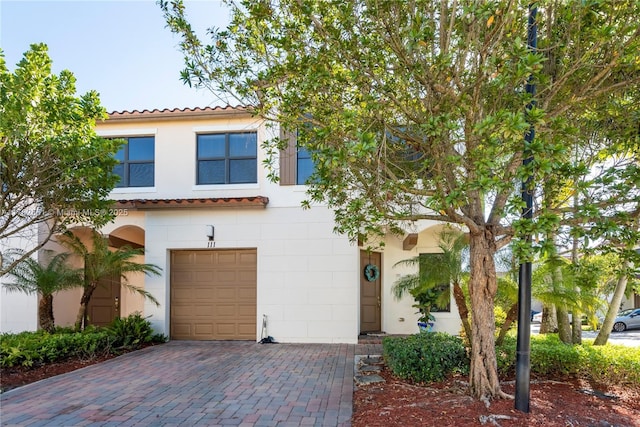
point(190, 383)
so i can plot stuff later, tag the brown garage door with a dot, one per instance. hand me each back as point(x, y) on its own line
point(213, 294)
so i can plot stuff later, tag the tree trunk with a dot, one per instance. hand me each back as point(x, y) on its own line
point(45, 313)
point(549, 321)
point(463, 311)
point(614, 307)
point(576, 327)
point(564, 327)
point(483, 376)
point(512, 315)
point(81, 319)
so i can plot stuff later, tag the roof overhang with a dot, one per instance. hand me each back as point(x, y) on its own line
point(257, 202)
point(176, 113)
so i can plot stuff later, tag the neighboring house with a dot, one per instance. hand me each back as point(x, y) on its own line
point(235, 247)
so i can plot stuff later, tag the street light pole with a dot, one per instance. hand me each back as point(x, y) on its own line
point(523, 346)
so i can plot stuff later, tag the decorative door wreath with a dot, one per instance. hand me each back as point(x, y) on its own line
point(371, 272)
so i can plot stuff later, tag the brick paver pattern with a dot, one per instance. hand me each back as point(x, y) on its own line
point(188, 383)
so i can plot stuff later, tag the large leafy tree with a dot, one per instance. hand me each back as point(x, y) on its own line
point(417, 111)
point(53, 167)
point(44, 279)
point(101, 261)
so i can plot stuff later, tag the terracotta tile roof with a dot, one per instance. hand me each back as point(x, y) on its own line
point(177, 112)
point(214, 202)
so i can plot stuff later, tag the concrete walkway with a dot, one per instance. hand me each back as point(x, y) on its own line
point(187, 383)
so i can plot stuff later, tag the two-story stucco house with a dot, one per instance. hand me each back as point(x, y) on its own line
point(235, 247)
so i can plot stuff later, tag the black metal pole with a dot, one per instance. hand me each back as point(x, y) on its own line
point(523, 349)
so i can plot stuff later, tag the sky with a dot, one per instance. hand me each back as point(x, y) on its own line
point(121, 49)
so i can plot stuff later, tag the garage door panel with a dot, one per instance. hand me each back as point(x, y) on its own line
point(179, 330)
point(203, 258)
point(182, 258)
point(179, 294)
point(202, 310)
point(247, 310)
point(247, 276)
point(248, 258)
point(226, 294)
point(213, 294)
point(205, 277)
point(227, 258)
point(245, 293)
point(226, 330)
point(225, 311)
point(246, 328)
point(227, 276)
point(181, 311)
point(183, 276)
point(203, 329)
point(205, 294)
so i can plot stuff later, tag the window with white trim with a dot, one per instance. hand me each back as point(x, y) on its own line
point(137, 162)
point(227, 158)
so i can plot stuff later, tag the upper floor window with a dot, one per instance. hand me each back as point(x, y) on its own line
point(304, 167)
point(137, 162)
point(227, 158)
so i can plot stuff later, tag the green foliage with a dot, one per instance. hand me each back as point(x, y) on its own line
point(43, 278)
point(130, 332)
point(500, 316)
point(53, 166)
point(37, 348)
point(429, 357)
point(425, 357)
point(30, 276)
point(610, 364)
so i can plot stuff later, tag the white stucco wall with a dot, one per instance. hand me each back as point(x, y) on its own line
point(307, 276)
point(18, 311)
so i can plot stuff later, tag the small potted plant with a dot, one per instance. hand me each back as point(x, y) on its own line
point(425, 301)
point(427, 289)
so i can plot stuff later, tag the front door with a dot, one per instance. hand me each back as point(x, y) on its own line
point(370, 291)
point(104, 305)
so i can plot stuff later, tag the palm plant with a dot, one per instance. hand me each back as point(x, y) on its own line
point(45, 280)
point(444, 268)
point(554, 283)
point(100, 261)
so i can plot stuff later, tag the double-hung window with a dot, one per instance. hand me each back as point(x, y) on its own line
point(137, 162)
point(227, 158)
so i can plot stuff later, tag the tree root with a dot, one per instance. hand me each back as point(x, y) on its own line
point(493, 419)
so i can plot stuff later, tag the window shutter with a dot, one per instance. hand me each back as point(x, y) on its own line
point(288, 158)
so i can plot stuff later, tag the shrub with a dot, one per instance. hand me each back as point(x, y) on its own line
point(35, 348)
point(131, 332)
point(609, 364)
point(425, 357)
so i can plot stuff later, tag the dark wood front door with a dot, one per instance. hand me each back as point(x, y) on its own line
point(104, 305)
point(370, 292)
